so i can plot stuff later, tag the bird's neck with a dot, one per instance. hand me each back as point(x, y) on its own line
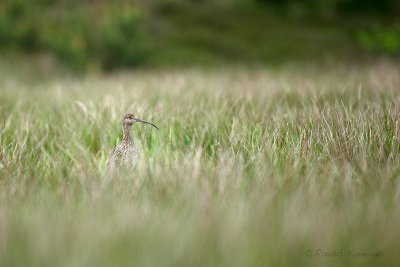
point(129, 135)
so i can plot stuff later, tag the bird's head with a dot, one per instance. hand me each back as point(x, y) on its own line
point(130, 119)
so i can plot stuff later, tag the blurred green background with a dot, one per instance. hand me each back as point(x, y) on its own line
point(102, 35)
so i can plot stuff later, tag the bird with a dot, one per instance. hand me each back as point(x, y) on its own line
point(127, 153)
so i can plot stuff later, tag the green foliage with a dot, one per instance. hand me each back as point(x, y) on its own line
point(384, 39)
point(83, 36)
point(122, 38)
point(18, 25)
point(388, 7)
point(68, 38)
point(102, 34)
point(319, 8)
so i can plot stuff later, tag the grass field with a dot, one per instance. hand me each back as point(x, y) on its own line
point(267, 166)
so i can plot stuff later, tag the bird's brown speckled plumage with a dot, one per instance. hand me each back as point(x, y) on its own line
point(127, 153)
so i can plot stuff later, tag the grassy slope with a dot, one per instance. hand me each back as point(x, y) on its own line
point(249, 168)
point(195, 34)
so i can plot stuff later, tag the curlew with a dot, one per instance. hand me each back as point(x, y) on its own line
point(127, 153)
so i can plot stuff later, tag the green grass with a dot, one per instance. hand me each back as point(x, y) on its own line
point(250, 167)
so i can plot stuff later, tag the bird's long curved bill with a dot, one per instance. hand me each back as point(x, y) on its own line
point(139, 120)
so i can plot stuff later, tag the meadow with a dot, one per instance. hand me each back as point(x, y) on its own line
point(290, 165)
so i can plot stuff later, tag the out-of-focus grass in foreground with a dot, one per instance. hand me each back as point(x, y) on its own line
point(249, 168)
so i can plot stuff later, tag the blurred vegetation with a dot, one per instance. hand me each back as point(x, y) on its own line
point(105, 35)
point(381, 38)
point(80, 34)
point(251, 167)
point(336, 7)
